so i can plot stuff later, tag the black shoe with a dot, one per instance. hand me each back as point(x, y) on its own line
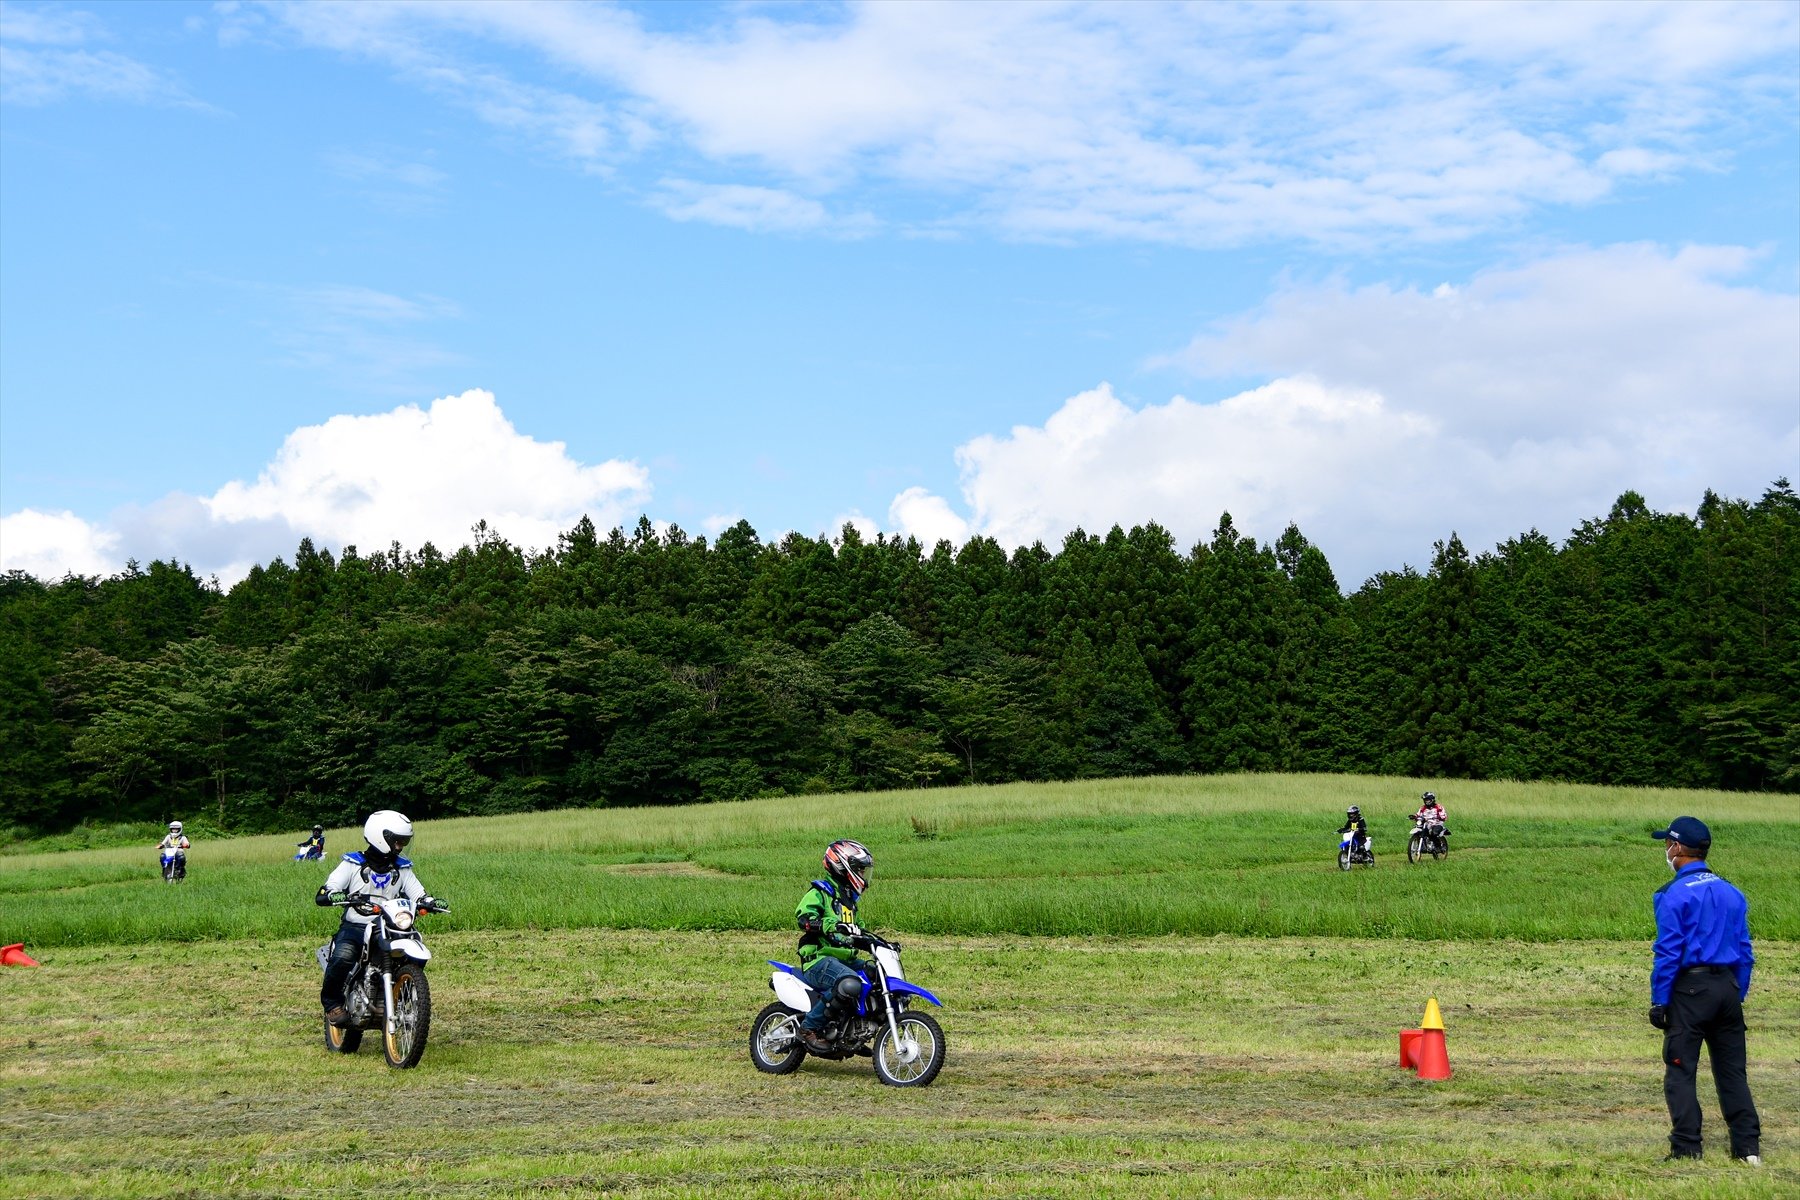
point(1681, 1155)
point(338, 1017)
point(816, 1043)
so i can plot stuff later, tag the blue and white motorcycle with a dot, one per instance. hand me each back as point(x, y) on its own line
point(871, 1017)
point(1351, 853)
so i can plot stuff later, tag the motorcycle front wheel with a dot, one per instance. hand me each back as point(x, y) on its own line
point(405, 1045)
point(918, 1057)
point(1415, 847)
point(775, 1040)
point(1343, 860)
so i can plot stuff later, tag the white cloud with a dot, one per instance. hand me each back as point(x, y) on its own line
point(411, 475)
point(45, 57)
point(51, 545)
point(1529, 396)
point(917, 513)
point(1195, 124)
point(758, 209)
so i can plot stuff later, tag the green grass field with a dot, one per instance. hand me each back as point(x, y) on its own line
point(1153, 987)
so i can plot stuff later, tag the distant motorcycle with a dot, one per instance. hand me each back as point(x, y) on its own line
point(309, 853)
point(174, 866)
point(908, 1047)
point(1351, 855)
point(386, 989)
point(1432, 839)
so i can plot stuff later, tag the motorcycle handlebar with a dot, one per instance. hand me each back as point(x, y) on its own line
point(366, 906)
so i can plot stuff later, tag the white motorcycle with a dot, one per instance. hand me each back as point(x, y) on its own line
point(870, 1017)
point(1432, 839)
point(386, 989)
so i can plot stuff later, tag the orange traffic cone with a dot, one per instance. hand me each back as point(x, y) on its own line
point(1433, 1055)
point(15, 956)
point(1409, 1048)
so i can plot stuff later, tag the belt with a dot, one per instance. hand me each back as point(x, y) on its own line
point(1704, 968)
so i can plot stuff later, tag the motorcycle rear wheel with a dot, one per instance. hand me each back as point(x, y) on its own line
point(927, 1039)
point(1440, 848)
point(412, 1018)
point(775, 1046)
point(342, 1041)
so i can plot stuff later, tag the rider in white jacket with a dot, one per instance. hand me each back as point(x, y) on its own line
point(376, 871)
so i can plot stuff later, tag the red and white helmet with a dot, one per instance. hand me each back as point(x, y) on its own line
point(849, 863)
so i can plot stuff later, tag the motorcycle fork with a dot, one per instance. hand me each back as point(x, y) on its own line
point(387, 1016)
point(888, 1006)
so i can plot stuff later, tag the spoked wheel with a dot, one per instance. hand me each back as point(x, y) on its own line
point(775, 1040)
point(342, 1041)
point(1343, 860)
point(917, 1058)
point(412, 1018)
point(1440, 848)
point(1415, 847)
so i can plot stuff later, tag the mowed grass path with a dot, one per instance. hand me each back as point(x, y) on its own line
point(1242, 854)
point(612, 1063)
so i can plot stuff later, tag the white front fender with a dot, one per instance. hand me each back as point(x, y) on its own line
point(412, 948)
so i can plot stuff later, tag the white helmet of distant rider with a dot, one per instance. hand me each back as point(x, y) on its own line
point(387, 833)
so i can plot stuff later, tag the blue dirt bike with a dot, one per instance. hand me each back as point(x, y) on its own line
point(1352, 854)
point(873, 1017)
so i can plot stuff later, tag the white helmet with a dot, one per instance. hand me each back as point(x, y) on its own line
point(387, 831)
point(174, 826)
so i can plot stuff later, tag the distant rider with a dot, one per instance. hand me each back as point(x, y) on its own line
point(1432, 814)
point(1353, 820)
point(826, 956)
point(376, 871)
point(314, 846)
point(176, 844)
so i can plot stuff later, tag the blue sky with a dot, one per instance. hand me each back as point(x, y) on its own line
point(373, 272)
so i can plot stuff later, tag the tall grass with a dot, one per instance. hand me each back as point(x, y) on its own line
point(1243, 854)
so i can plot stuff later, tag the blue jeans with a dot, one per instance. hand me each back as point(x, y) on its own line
point(822, 977)
point(346, 948)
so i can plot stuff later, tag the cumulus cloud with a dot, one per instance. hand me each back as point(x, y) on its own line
point(1210, 124)
point(1532, 395)
point(411, 475)
point(51, 545)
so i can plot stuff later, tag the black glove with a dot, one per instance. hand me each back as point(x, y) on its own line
point(1659, 1015)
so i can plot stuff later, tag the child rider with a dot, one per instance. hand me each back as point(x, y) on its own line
point(826, 956)
point(1353, 819)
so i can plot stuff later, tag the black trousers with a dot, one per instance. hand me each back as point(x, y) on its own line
point(1704, 1008)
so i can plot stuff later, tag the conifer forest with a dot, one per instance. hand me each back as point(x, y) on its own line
point(651, 667)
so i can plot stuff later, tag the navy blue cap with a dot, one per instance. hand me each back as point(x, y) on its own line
point(1688, 831)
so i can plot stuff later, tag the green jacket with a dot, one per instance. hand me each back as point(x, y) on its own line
point(819, 914)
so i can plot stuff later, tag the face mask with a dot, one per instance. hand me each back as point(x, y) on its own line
point(1670, 858)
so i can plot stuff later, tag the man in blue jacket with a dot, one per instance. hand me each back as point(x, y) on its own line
point(1698, 984)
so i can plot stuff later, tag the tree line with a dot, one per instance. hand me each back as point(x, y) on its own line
point(651, 667)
